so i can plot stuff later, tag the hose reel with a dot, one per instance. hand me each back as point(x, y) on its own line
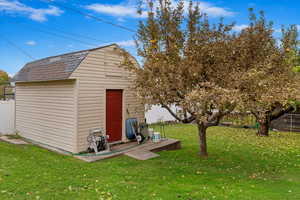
point(97, 141)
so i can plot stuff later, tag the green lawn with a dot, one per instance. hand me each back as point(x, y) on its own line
point(240, 166)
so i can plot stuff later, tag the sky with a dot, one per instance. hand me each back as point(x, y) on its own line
point(34, 29)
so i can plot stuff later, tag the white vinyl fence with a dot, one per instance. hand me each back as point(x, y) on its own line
point(158, 114)
point(7, 117)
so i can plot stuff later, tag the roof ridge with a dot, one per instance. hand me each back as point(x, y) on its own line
point(59, 67)
point(70, 53)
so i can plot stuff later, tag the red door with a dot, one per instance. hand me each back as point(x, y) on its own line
point(114, 115)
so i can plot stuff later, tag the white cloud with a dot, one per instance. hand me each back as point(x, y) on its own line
point(37, 14)
point(212, 10)
point(239, 28)
point(126, 43)
point(31, 43)
point(279, 30)
point(128, 9)
point(115, 10)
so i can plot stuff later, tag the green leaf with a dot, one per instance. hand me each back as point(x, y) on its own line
point(295, 104)
point(296, 69)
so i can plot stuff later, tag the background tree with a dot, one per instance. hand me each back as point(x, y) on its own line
point(4, 79)
point(187, 62)
point(268, 84)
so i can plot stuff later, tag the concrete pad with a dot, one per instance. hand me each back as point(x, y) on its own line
point(13, 141)
point(141, 154)
point(94, 158)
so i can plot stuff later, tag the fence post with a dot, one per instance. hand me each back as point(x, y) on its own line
point(291, 123)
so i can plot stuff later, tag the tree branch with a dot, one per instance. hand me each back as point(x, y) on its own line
point(185, 120)
point(255, 114)
point(171, 112)
point(189, 120)
point(278, 112)
point(214, 120)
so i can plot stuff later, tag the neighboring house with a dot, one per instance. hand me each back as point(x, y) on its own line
point(60, 99)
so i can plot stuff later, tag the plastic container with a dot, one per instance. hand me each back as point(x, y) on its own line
point(156, 137)
point(130, 130)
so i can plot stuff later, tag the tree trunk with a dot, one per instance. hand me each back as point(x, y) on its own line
point(264, 125)
point(202, 139)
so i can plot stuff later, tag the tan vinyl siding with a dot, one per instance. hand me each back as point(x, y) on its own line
point(46, 113)
point(100, 71)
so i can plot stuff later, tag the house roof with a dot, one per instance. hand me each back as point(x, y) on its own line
point(52, 68)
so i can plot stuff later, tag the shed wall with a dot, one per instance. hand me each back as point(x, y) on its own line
point(98, 72)
point(46, 113)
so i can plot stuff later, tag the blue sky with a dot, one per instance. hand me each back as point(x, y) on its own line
point(41, 28)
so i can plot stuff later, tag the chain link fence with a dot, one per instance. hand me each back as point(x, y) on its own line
point(289, 122)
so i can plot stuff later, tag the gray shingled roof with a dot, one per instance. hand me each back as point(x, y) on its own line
point(52, 68)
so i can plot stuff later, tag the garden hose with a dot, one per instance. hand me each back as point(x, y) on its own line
point(84, 154)
point(106, 153)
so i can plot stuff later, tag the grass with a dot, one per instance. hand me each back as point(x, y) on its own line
point(240, 166)
point(242, 119)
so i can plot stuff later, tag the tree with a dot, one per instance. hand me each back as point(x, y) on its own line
point(268, 84)
point(188, 64)
point(4, 78)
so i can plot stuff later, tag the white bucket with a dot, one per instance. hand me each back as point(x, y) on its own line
point(156, 137)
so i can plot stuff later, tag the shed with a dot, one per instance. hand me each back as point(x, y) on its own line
point(59, 99)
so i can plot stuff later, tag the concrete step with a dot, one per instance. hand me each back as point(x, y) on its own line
point(12, 141)
point(141, 154)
